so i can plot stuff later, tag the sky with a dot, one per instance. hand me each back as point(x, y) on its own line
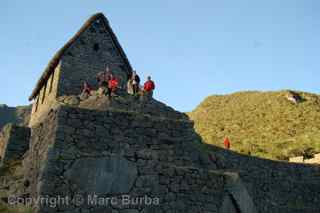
point(192, 49)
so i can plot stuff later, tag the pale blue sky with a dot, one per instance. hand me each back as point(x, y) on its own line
point(191, 48)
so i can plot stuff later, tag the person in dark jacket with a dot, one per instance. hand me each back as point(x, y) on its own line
point(135, 82)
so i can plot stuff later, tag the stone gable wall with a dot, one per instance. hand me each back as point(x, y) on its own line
point(89, 55)
point(82, 61)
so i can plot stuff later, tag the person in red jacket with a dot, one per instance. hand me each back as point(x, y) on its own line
point(148, 87)
point(227, 143)
point(112, 86)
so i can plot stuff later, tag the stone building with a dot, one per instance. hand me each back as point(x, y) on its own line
point(135, 149)
point(91, 49)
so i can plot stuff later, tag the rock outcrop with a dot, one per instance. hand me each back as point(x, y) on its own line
point(14, 142)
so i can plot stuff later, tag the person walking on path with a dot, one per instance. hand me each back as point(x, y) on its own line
point(227, 143)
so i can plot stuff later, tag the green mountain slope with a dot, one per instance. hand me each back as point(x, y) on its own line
point(264, 124)
point(19, 115)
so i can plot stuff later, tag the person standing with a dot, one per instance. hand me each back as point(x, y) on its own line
point(135, 82)
point(227, 143)
point(108, 74)
point(148, 88)
point(104, 76)
point(112, 86)
point(86, 90)
point(130, 87)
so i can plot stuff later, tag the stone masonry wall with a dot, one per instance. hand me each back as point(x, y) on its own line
point(274, 186)
point(118, 154)
point(41, 140)
point(89, 55)
point(80, 152)
point(14, 142)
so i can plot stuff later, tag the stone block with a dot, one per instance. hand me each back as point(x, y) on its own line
point(102, 175)
point(298, 159)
